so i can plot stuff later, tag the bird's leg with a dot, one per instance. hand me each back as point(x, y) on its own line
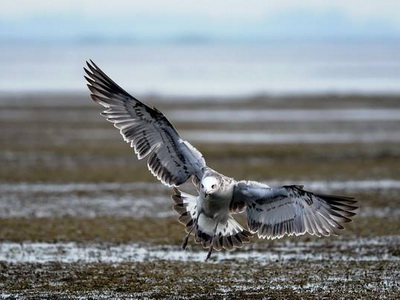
point(212, 241)
point(185, 240)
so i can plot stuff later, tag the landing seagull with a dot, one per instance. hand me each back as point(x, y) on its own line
point(271, 212)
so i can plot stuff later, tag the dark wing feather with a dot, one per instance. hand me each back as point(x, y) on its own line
point(290, 210)
point(171, 159)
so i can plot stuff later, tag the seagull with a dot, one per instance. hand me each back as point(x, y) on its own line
point(271, 212)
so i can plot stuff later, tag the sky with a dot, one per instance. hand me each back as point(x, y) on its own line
point(173, 20)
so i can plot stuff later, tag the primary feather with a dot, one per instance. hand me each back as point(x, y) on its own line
point(290, 210)
point(171, 159)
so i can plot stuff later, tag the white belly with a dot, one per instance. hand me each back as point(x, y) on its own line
point(216, 205)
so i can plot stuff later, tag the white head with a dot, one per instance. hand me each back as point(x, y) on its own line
point(209, 185)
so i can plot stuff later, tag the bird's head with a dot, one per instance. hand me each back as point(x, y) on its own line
point(209, 185)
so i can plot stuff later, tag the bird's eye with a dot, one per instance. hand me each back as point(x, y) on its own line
point(213, 186)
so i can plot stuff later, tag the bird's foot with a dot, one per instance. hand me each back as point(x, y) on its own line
point(209, 252)
point(185, 242)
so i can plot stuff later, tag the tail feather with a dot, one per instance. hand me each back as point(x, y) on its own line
point(229, 234)
point(186, 207)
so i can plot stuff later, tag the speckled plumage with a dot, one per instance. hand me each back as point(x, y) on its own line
point(271, 212)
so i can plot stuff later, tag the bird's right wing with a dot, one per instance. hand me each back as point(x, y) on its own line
point(288, 210)
point(171, 159)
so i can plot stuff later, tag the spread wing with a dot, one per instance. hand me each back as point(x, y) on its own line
point(171, 159)
point(288, 210)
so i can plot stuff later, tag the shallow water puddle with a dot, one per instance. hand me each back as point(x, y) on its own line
point(287, 115)
point(261, 137)
point(372, 249)
point(142, 199)
point(155, 186)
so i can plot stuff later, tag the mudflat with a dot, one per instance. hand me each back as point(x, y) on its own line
point(80, 216)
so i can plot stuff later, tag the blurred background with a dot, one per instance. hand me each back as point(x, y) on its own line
point(284, 92)
point(202, 47)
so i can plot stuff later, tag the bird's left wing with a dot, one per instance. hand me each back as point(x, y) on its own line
point(171, 159)
point(288, 210)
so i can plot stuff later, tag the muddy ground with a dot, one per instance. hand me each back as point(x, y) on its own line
point(80, 217)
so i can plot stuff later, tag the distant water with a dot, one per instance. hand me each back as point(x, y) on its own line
point(208, 69)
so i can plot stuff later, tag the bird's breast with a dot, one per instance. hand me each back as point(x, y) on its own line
point(216, 204)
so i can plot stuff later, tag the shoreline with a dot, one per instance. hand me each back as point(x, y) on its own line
point(328, 100)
